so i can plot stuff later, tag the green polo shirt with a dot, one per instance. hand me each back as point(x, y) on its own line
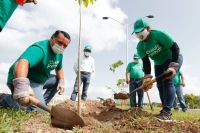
point(157, 47)
point(135, 70)
point(42, 60)
point(177, 78)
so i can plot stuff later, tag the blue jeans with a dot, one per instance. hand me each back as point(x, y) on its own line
point(85, 79)
point(166, 87)
point(50, 85)
point(134, 85)
point(180, 97)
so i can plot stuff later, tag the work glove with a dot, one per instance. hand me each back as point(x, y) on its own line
point(22, 2)
point(146, 82)
point(61, 86)
point(173, 67)
point(22, 91)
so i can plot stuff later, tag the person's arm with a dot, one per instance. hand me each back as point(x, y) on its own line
point(59, 73)
point(61, 82)
point(127, 77)
point(76, 67)
point(22, 90)
point(183, 80)
point(146, 65)
point(21, 68)
point(93, 66)
point(175, 52)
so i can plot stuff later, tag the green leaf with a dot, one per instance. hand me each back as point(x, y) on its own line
point(85, 2)
point(92, 2)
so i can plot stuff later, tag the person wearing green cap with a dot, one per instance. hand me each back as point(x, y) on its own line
point(134, 74)
point(165, 53)
point(86, 69)
point(7, 8)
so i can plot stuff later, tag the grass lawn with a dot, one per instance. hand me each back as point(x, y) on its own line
point(10, 119)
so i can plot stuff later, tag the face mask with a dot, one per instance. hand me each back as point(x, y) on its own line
point(136, 61)
point(57, 49)
point(87, 53)
point(142, 35)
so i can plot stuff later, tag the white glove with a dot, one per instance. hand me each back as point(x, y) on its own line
point(61, 86)
point(22, 91)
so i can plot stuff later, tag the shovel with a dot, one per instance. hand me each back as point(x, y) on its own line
point(60, 117)
point(127, 96)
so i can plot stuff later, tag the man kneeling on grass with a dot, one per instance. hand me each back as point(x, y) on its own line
point(30, 74)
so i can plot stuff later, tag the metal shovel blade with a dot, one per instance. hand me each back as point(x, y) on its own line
point(60, 117)
point(65, 118)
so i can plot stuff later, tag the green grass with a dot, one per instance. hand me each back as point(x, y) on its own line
point(10, 119)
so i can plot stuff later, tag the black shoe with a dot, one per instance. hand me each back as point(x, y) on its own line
point(158, 114)
point(177, 109)
point(164, 116)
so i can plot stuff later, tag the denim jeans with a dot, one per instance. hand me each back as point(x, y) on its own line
point(50, 85)
point(166, 87)
point(180, 97)
point(85, 79)
point(134, 85)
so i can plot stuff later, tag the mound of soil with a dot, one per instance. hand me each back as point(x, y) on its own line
point(105, 117)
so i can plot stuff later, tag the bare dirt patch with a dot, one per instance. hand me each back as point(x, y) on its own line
point(106, 118)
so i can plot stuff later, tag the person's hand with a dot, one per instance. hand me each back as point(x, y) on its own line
point(174, 65)
point(168, 71)
point(183, 84)
point(146, 82)
point(127, 81)
point(30, 1)
point(61, 86)
point(22, 91)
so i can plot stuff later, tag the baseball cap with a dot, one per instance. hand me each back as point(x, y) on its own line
point(88, 48)
point(139, 25)
point(136, 56)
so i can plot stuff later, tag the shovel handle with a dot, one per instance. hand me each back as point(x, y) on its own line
point(149, 100)
point(152, 81)
point(37, 103)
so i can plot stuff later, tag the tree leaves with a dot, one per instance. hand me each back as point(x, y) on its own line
point(86, 2)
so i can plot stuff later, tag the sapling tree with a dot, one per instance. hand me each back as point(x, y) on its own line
point(119, 82)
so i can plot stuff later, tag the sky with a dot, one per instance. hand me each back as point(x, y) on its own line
point(31, 23)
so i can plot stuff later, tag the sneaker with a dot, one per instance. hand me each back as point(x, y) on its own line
point(184, 110)
point(158, 114)
point(176, 109)
point(164, 116)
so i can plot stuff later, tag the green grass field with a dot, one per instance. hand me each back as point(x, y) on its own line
point(10, 119)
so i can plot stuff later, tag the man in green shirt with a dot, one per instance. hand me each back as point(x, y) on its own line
point(178, 82)
point(134, 74)
point(7, 7)
point(165, 53)
point(30, 74)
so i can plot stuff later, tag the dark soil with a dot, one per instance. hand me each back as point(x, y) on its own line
point(106, 118)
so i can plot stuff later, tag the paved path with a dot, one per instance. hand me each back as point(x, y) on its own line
point(194, 110)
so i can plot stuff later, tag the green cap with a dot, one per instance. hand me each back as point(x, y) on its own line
point(139, 25)
point(88, 48)
point(136, 56)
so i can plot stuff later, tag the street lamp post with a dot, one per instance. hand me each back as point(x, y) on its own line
point(126, 25)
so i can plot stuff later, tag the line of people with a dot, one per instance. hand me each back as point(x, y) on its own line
point(30, 74)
